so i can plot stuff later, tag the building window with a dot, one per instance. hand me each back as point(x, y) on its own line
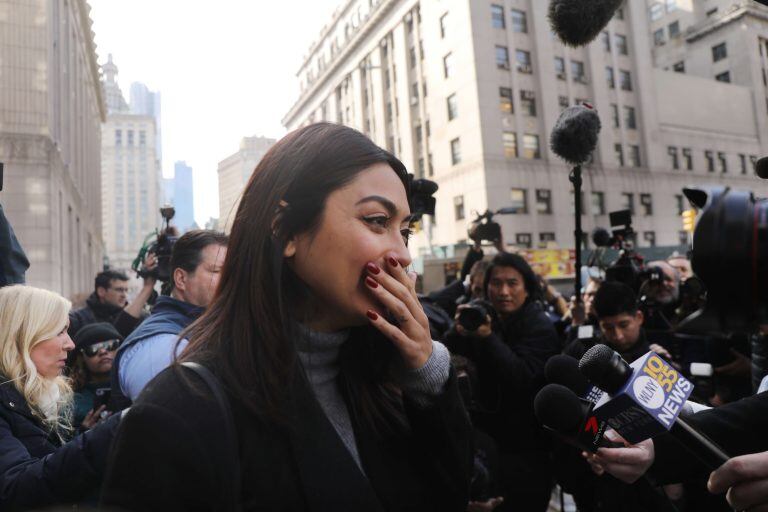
point(743, 162)
point(646, 201)
point(724, 77)
point(430, 167)
point(417, 131)
point(671, 5)
point(518, 200)
point(545, 239)
point(619, 13)
point(458, 207)
point(682, 237)
point(519, 21)
point(453, 107)
point(502, 57)
point(577, 72)
point(674, 160)
point(657, 11)
point(455, 151)
point(598, 203)
point(650, 238)
point(619, 150)
point(688, 157)
point(544, 201)
point(528, 102)
point(658, 37)
point(679, 67)
point(510, 144)
point(753, 162)
point(723, 162)
point(130, 137)
point(560, 68)
point(142, 138)
point(505, 98)
point(711, 12)
point(421, 168)
point(118, 137)
point(629, 118)
point(625, 79)
point(628, 202)
point(524, 62)
point(605, 37)
point(497, 16)
point(674, 29)
point(680, 202)
point(563, 101)
point(448, 65)
point(719, 52)
point(709, 156)
point(609, 77)
point(524, 240)
point(634, 156)
point(621, 44)
point(615, 115)
point(412, 53)
point(531, 147)
point(443, 24)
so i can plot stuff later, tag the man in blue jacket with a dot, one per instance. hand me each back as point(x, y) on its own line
point(196, 263)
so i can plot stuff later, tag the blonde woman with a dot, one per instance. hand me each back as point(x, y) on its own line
point(37, 467)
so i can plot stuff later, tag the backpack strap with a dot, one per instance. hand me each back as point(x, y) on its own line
point(232, 495)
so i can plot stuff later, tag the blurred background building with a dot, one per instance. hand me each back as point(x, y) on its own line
point(51, 110)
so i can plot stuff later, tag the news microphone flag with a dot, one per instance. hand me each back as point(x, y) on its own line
point(650, 401)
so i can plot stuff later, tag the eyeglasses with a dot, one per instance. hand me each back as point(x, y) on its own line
point(109, 346)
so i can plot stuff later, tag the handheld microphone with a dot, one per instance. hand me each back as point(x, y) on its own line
point(570, 418)
point(564, 370)
point(578, 22)
point(645, 399)
point(574, 136)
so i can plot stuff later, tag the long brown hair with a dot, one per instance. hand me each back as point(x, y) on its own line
point(246, 332)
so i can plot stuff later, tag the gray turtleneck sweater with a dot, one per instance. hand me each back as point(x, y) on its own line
point(319, 353)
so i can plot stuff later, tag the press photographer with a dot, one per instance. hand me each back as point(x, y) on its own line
point(509, 338)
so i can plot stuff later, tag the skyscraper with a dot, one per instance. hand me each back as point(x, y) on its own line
point(183, 197)
point(144, 102)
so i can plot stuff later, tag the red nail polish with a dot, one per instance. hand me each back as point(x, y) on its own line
point(372, 268)
point(371, 282)
point(372, 315)
point(392, 261)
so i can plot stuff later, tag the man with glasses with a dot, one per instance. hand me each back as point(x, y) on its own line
point(109, 302)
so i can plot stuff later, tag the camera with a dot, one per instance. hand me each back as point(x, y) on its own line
point(484, 228)
point(474, 315)
point(730, 246)
point(422, 200)
point(160, 243)
point(629, 268)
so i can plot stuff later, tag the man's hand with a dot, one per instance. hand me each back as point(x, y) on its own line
point(627, 464)
point(150, 263)
point(483, 331)
point(485, 506)
point(746, 480)
point(739, 367)
point(93, 417)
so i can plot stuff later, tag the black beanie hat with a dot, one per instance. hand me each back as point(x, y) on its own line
point(95, 333)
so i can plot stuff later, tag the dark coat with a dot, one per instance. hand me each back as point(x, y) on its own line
point(95, 311)
point(510, 368)
point(173, 434)
point(36, 470)
point(13, 261)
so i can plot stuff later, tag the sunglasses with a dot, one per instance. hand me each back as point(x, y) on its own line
point(109, 346)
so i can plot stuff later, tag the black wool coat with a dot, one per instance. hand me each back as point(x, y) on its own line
point(169, 455)
point(36, 469)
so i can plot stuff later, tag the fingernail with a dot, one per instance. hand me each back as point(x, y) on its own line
point(392, 261)
point(372, 315)
point(372, 268)
point(371, 282)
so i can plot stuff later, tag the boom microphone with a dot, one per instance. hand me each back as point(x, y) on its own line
point(645, 399)
point(578, 22)
point(574, 136)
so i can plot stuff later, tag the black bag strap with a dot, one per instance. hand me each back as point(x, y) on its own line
point(232, 471)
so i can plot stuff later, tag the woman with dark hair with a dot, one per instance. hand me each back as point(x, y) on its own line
point(95, 348)
point(510, 350)
point(340, 399)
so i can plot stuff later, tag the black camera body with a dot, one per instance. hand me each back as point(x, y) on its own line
point(474, 314)
point(629, 268)
point(161, 247)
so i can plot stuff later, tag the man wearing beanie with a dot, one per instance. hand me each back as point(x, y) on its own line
point(195, 266)
point(91, 363)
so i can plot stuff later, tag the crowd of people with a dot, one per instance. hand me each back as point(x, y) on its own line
point(294, 366)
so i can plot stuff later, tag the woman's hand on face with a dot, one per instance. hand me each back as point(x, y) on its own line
point(396, 290)
point(94, 417)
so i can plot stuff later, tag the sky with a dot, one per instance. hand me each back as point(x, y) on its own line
point(225, 69)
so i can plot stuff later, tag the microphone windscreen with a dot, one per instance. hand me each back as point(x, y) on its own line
point(578, 22)
point(564, 370)
point(574, 136)
point(761, 168)
point(559, 408)
point(601, 237)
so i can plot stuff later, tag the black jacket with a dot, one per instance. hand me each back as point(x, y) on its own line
point(13, 261)
point(95, 311)
point(169, 452)
point(36, 470)
point(510, 367)
point(455, 293)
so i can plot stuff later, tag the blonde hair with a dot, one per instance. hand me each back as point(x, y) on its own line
point(29, 316)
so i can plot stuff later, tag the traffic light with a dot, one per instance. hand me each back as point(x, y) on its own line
point(689, 220)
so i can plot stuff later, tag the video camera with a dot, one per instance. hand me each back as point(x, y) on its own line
point(422, 200)
point(629, 268)
point(485, 229)
point(160, 243)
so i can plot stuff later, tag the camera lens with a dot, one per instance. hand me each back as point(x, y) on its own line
point(472, 317)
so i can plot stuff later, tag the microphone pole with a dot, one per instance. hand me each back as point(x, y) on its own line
point(575, 178)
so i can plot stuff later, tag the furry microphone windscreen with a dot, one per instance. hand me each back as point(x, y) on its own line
point(578, 22)
point(574, 136)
